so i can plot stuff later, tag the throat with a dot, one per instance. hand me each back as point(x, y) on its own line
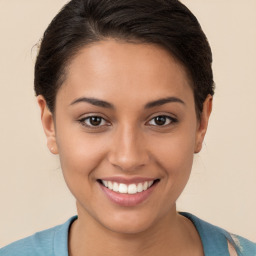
point(179, 237)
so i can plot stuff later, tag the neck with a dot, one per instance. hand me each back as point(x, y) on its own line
point(167, 237)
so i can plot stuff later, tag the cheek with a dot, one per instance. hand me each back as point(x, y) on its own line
point(175, 156)
point(176, 153)
point(80, 154)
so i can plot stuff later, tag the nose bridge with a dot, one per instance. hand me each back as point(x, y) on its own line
point(128, 149)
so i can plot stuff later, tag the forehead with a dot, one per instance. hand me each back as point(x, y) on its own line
point(116, 69)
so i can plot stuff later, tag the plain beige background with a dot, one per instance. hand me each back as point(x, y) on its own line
point(222, 188)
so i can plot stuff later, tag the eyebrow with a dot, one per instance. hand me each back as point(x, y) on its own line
point(163, 101)
point(93, 101)
point(105, 104)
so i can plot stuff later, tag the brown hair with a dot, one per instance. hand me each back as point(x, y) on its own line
point(167, 23)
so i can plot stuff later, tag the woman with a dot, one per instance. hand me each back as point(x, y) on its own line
point(125, 90)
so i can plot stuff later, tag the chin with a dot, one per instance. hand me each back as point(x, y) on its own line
point(128, 228)
point(129, 222)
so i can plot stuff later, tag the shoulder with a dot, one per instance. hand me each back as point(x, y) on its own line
point(38, 244)
point(216, 239)
point(242, 245)
point(50, 242)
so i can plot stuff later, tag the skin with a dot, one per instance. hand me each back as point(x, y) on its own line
point(127, 143)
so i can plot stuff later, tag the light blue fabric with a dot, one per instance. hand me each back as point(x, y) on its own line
point(54, 241)
point(50, 242)
point(214, 239)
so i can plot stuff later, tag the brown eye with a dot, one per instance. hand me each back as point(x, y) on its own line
point(162, 121)
point(93, 121)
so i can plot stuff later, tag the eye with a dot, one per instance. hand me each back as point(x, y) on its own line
point(162, 120)
point(93, 121)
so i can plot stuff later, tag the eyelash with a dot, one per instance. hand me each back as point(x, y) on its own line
point(89, 118)
point(172, 120)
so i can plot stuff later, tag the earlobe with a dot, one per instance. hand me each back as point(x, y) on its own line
point(203, 123)
point(48, 124)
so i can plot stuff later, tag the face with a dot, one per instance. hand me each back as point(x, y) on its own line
point(126, 130)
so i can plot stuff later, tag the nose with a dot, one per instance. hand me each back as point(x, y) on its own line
point(128, 149)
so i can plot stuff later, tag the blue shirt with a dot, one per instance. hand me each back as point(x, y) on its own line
point(54, 241)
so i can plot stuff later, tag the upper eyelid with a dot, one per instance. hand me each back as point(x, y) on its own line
point(88, 115)
point(172, 119)
point(168, 115)
point(162, 113)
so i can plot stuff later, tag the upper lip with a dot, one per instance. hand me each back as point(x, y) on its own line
point(128, 180)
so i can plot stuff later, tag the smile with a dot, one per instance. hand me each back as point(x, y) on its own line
point(127, 188)
point(128, 192)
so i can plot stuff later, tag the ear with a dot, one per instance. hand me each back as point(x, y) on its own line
point(48, 124)
point(203, 123)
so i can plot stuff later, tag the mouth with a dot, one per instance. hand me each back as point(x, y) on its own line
point(128, 192)
point(131, 189)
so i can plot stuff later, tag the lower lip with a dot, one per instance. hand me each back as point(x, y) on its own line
point(128, 199)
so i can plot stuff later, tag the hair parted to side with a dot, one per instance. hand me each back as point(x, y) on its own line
point(167, 23)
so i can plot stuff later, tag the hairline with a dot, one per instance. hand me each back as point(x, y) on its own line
point(66, 65)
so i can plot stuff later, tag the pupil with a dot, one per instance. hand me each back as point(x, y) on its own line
point(160, 120)
point(95, 120)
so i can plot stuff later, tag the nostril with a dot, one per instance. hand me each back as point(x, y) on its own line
point(128, 157)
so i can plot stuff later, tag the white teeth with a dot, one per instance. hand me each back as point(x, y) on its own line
point(140, 187)
point(150, 183)
point(132, 189)
point(110, 185)
point(115, 187)
point(123, 188)
point(105, 183)
point(127, 189)
point(145, 185)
